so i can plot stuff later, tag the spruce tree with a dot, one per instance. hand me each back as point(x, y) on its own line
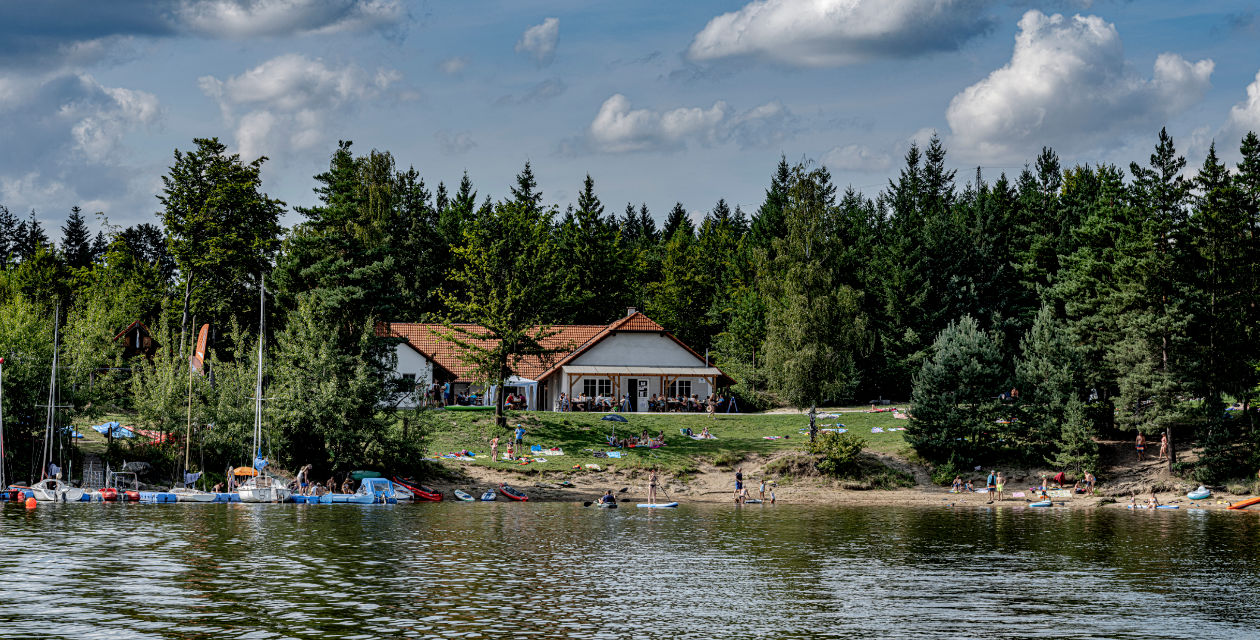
point(955, 397)
point(76, 240)
point(676, 220)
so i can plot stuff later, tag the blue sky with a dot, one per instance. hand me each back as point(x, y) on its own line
point(658, 101)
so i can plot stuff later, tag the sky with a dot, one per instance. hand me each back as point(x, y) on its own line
point(659, 101)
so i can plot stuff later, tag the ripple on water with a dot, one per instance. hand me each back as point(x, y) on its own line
point(561, 571)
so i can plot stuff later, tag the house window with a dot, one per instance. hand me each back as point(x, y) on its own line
point(408, 382)
point(682, 388)
point(597, 386)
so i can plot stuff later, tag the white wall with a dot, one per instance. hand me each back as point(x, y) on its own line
point(638, 350)
point(411, 362)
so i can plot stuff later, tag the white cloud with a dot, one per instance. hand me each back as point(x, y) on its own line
point(854, 157)
point(65, 139)
point(241, 19)
point(826, 33)
point(1244, 116)
point(452, 66)
point(1068, 85)
point(539, 41)
point(454, 143)
point(287, 101)
point(618, 128)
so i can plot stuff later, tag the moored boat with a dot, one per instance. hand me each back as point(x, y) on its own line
point(185, 494)
point(54, 490)
point(511, 493)
point(463, 496)
point(419, 491)
point(488, 496)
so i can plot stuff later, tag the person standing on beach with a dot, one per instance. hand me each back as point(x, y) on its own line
point(762, 492)
point(494, 448)
point(739, 483)
point(1141, 445)
point(1163, 446)
point(991, 485)
point(1001, 484)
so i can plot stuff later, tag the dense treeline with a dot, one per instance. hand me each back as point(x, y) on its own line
point(1110, 299)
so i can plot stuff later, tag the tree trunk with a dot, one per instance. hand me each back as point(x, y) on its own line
point(1172, 448)
point(500, 418)
point(183, 323)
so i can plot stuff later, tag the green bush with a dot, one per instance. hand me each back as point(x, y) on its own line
point(840, 453)
point(944, 474)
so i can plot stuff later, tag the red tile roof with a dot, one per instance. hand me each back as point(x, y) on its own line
point(425, 338)
point(570, 341)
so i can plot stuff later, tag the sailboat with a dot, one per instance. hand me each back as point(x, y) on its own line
point(54, 489)
point(188, 493)
point(262, 487)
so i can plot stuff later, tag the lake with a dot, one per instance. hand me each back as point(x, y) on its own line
point(491, 570)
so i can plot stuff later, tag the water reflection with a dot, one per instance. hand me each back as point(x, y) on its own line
point(561, 570)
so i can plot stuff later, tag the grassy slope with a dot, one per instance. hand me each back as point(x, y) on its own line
point(737, 436)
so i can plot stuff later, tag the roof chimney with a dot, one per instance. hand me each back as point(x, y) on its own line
point(631, 311)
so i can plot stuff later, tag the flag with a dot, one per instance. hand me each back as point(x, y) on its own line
point(199, 354)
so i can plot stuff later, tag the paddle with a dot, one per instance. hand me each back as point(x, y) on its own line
point(587, 503)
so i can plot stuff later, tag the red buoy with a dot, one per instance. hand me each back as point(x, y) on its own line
point(30, 503)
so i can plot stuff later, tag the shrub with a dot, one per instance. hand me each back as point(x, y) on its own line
point(840, 453)
point(944, 474)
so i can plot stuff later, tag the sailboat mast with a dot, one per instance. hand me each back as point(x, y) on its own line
point(52, 393)
point(262, 336)
point(188, 427)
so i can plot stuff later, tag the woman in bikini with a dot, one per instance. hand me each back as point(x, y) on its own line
point(652, 479)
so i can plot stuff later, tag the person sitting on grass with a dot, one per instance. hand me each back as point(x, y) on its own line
point(511, 451)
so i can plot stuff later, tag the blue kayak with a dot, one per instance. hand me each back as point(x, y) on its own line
point(658, 505)
point(488, 496)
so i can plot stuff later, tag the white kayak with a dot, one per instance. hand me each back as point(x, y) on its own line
point(658, 505)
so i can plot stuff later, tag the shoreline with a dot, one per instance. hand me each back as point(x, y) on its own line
point(717, 487)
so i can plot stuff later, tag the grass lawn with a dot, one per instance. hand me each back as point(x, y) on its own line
point(738, 436)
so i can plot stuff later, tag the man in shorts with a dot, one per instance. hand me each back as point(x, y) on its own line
point(1141, 445)
point(519, 436)
point(991, 483)
point(739, 483)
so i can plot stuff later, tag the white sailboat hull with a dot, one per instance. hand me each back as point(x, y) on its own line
point(192, 495)
point(265, 491)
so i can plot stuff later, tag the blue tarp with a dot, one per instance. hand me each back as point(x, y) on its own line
point(118, 431)
point(612, 417)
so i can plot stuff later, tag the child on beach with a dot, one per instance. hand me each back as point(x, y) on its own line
point(494, 448)
point(958, 485)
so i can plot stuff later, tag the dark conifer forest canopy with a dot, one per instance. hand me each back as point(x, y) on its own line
point(1025, 316)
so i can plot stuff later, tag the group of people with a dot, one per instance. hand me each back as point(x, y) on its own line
point(304, 486)
point(995, 485)
point(1163, 446)
point(516, 444)
point(644, 439)
point(444, 395)
point(658, 403)
point(741, 491)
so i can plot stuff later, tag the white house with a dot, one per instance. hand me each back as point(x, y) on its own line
point(633, 355)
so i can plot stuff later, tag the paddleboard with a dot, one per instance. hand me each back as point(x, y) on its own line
point(463, 497)
point(487, 496)
point(1243, 504)
point(657, 505)
point(1043, 503)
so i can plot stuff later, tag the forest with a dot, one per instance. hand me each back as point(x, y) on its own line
point(1024, 316)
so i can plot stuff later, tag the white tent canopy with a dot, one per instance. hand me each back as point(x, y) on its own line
point(530, 387)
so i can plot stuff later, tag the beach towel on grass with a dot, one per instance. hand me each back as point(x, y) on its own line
point(771, 437)
point(614, 454)
point(702, 437)
point(876, 430)
point(554, 452)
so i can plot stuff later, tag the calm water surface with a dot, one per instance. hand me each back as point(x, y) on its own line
point(490, 570)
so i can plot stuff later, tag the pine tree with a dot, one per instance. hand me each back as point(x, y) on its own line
point(955, 397)
point(591, 262)
point(767, 222)
point(526, 191)
point(76, 240)
point(675, 221)
point(1047, 376)
point(8, 235)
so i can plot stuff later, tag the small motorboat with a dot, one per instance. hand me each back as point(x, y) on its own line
point(488, 496)
point(512, 494)
point(54, 490)
point(372, 491)
point(403, 493)
point(1199, 494)
point(419, 491)
point(463, 497)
